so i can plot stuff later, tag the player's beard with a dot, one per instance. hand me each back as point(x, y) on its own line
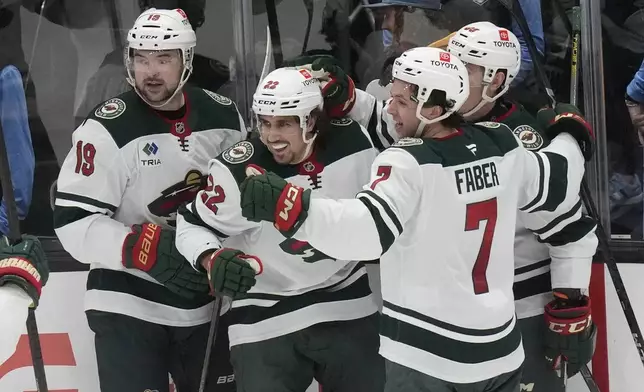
point(155, 94)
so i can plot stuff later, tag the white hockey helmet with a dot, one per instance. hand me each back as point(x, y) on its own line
point(158, 29)
point(433, 69)
point(491, 47)
point(289, 92)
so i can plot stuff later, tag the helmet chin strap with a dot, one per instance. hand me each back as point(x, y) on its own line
point(308, 142)
point(485, 98)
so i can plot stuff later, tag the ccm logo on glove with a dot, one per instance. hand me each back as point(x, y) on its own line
point(145, 248)
point(576, 117)
point(289, 200)
point(570, 327)
point(23, 268)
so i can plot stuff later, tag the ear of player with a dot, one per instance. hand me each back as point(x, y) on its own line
point(150, 248)
point(339, 90)
point(567, 118)
point(231, 272)
point(570, 333)
point(268, 197)
point(24, 264)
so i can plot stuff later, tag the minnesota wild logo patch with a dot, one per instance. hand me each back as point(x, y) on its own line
point(112, 108)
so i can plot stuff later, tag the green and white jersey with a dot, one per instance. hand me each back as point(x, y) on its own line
point(130, 165)
point(564, 259)
point(299, 286)
point(441, 214)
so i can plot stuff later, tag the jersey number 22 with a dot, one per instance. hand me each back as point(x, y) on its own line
point(475, 213)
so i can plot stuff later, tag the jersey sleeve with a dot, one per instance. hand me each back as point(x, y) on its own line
point(364, 228)
point(553, 210)
point(372, 114)
point(90, 186)
point(213, 216)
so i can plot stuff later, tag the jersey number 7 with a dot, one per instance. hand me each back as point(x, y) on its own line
point(474, 214)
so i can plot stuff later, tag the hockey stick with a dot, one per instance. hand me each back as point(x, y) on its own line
point(273, 26)
point(610, 261)
point(212, 334)
point(309, 10)
point(515, 9)
point(14, 236)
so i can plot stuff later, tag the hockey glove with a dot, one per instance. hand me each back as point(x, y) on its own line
point(338, 89)
point(570, 333)
point(230, 271)
point(268, 197)
point(150, 248)
point(567, 118)
point(25, 265)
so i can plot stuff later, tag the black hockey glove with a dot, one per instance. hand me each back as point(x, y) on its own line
point(230, 271)
point(150, 248)
point(570, 333)
point(268, 197)
point(339, 90)
point(567, 118)
point(25, 265)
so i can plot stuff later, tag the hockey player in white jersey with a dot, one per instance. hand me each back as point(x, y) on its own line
point(135, 159)
point(493, 58)
point(23, 272)
point(553, 275)
point(309, 316)
point(440, 212)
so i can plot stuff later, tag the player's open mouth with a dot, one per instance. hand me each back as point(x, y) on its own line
point(279, 147)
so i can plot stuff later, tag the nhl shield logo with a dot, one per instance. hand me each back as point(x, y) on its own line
point(111, 109)
point(179, 128)
point(530, 138)
point(240, 152)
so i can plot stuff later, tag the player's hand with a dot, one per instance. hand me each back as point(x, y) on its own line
point(338, 89)
point(570, 333)
point(230, 271)
point(567, 118)
point(150, 248)
point(25, 265)
point(268, 197)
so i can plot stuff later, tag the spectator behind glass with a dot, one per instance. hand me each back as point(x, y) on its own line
point(20, 153)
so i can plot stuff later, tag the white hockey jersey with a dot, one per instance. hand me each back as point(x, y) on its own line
point(563, 260)
point(299, 286)
point(131, 165)
point(441, 214)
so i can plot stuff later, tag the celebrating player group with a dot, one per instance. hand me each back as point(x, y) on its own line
point(465, 206)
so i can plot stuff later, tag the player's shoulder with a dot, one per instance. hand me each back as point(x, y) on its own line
point(498, 134)
point(116, 117)
point(243, 153)
point(214, 110)
point(525, 127)
point(343, 137)
point(423, 151)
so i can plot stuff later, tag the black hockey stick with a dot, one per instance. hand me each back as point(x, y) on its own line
point(14, 236)
point(514, 8)
point(212, 335)
point(271, 13)
point(309, 10)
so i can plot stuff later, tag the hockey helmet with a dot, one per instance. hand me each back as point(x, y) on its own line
point(157, 29)
point(491, 47)
point(433, 69)
point(289, 92)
